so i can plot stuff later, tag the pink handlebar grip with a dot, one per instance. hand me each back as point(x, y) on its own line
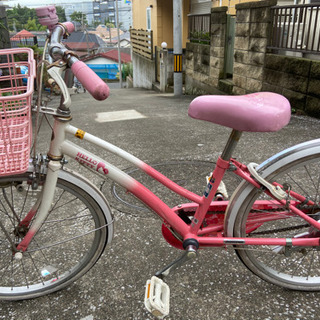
point(89, 79)
point(47, 16)
point(69, 26)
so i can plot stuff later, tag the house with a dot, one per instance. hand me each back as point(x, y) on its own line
point(153, 24)
point(124, 40)
point(41, 38)
point(106, 65)
point(107, 34)
point(158, 16)
point(113, 55)
point(201, 6)
point(84, 43)
point(23, 37)
point(110, 36)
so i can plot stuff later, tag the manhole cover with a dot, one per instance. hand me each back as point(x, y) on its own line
point(190, 175)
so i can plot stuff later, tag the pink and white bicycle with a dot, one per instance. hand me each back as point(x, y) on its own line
point(55, 224)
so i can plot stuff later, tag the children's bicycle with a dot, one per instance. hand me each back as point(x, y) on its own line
point(55, 224)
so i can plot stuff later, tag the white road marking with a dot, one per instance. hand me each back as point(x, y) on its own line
point(119, 115)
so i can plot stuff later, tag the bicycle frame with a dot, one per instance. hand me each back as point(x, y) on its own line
point(275, 230)
point(60, 147)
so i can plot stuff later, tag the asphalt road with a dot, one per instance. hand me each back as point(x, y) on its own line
point(214, 286)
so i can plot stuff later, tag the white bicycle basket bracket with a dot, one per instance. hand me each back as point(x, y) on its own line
point(157, 297)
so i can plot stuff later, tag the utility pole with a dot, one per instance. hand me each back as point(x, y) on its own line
point(119, 52)
point(177, 47)
point(85, 31)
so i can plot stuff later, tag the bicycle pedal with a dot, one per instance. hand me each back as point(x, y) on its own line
point(157, 297)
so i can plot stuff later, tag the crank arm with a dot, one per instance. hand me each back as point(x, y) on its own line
point(190, 253)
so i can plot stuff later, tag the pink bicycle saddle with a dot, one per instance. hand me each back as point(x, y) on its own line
point(256, 112)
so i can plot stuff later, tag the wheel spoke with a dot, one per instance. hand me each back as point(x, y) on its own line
point(288, 266)
point(68, 243)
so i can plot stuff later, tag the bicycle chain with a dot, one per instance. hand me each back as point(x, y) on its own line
point(281, 230)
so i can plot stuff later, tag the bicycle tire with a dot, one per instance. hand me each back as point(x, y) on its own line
point(294, 268)
point(68, 244)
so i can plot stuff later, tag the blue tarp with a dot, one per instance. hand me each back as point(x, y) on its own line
point(24, 70)
point(105, 71)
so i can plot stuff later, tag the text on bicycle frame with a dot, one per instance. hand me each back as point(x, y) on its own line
point(91, 163)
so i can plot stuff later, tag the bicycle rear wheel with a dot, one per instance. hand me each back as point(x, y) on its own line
point(68, 244)
point(290, 267)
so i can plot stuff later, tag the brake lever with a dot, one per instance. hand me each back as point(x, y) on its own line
point(55, 71)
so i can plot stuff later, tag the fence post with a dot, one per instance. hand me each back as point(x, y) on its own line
point(253, 23)
point(163, 69)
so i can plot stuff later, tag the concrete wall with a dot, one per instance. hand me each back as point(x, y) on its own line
point(143, 72)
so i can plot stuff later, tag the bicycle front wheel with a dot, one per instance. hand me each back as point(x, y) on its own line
point(68, 244)
point(260, 216)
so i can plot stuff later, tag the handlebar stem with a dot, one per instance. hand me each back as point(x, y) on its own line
point(56, 49)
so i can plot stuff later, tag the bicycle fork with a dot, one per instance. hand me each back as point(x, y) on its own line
point(45, 205)
point(48, 191)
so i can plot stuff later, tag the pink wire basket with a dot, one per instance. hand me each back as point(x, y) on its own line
point(16, 88)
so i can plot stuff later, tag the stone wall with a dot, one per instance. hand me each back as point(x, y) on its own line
point(298, 79)
point(217, 44)
point(205, 63)
point(253, 21)
point(255, 69)
point(197, 62)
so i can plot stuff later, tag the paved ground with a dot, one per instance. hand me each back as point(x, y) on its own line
point(216, 285)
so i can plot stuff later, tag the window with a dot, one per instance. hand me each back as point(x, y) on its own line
point(148, 18)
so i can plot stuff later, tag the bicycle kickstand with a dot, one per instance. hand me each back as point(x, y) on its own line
point(157, 294)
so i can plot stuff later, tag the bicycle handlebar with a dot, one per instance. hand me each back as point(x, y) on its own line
point(89, 79)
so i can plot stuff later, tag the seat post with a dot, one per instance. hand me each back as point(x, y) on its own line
point(231, 144)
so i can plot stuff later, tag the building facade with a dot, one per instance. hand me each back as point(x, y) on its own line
point(106, 11)
point(158, 16)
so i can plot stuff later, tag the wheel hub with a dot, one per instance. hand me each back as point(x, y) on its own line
point(20, 231)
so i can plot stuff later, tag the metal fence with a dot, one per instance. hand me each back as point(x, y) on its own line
point(296, 28)
point(199, 28)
